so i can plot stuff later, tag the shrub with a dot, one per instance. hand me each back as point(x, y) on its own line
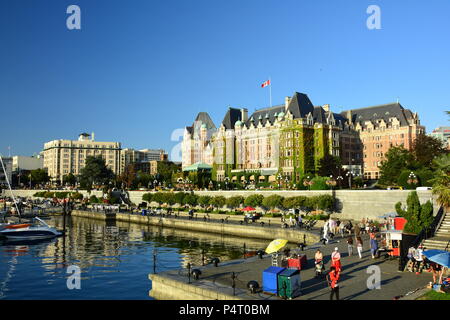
point(39, 194)
point(49, 194)
point(319, 183)
point(93, 199)
point(147, 197)
point(77, 196)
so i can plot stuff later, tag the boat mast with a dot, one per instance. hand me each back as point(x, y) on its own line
point(9, 185)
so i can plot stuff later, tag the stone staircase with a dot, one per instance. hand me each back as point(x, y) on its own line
point(441, 237)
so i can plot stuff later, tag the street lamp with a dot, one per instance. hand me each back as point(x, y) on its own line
point(349, 175)
point(339, 179)
point(331, 182)
point(412, 178)
point(308, 182)
point(226, 182)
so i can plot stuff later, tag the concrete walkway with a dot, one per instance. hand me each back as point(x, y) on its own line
point(353, 283)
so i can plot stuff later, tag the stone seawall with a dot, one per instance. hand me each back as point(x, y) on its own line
point(243, 231)
point(352, 204)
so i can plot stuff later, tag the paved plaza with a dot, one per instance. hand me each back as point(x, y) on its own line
point(353, 283)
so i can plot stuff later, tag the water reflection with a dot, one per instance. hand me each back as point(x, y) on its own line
point(115, 259)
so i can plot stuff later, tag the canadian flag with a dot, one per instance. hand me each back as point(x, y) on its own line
point(265, 84)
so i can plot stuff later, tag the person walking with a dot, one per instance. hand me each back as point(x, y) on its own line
point(300, 221)
point(350, 246)
point(419, 259)
point(336, 259)
point(325, 231)
point(412, 261)
point(359, 246)
point(333, 278)
point(373, 246)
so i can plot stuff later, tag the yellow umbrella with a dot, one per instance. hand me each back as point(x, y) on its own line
point(276, 245)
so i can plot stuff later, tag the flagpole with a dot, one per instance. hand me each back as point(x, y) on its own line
point(270, 91)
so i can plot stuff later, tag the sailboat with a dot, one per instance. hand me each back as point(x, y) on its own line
point(26, 231)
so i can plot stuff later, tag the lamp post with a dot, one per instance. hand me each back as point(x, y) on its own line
point(279, 177)
point(227, 180)
point(307, 182)
point(412, 179)
point(331, 182)
point(349, 175)
point(339, 179)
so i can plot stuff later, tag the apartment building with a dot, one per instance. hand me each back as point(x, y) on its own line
point(62, 157)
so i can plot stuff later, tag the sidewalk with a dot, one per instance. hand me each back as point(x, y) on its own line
point(353, 284)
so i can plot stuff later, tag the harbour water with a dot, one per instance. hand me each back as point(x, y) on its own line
point(114, 258)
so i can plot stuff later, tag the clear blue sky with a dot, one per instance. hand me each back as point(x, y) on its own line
point(138, 70)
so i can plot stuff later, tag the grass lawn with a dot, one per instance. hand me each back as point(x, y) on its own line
point(433, 295)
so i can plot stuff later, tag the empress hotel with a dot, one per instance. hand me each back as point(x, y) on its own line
point(290, 139)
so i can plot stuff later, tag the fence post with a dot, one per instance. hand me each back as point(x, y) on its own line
point(154, 261)
point(244, 250)
point(189, 272)
point(233, 283)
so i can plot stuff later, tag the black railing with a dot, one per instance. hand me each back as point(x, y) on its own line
point(426, 233)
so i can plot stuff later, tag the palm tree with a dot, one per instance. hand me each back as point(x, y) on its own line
point(441, 181)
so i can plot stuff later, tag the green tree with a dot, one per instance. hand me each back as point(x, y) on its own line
point(39, 176)
point(179, 196)
point(94, 199)
point(128, 177)
point(234, 202)
point(254, 200)
point(426, 148)
point(418, 216)
point(204, 201)
point(95, 172)
point(441, 181)
point(218, 201)
point(158, 197)
point(397, 159)
point(273, 201)
point(329, 165)
point(69, 179)
point(190, 199)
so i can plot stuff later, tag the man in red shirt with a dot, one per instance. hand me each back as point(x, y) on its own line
point(333, 278)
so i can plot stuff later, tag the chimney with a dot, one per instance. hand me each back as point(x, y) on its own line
point(326, 107)
point(349, 116)
point(93, 136)
point(244, 114)
point(286, 102)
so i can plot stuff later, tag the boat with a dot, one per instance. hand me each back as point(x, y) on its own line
point(25, 231)
point(35, 231)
